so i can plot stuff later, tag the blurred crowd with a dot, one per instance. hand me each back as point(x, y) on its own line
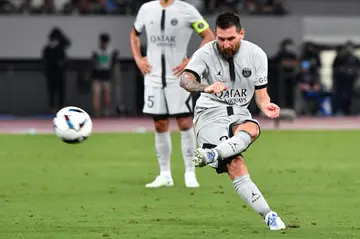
point(268, 7)
point(297, 75)
point(299, 83)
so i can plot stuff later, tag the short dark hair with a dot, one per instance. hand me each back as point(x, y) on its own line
point(104, 37)
point(228, 19)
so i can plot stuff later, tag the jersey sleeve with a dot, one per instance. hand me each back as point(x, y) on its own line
point(139, 23)
point(197, 64)
point(261, 69)
point(196, 20)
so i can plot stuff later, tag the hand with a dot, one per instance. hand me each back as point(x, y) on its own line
point(143, 65)
point(180, 68)
point(217, 87)
point(271, 110)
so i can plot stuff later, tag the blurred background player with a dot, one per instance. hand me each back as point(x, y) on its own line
point(103, 59)
point(169, 25)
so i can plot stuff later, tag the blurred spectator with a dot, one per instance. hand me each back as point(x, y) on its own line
point(228, 5)
point(96, 6)
point(8, 6)
point(251, 7)
point(54, 61)
point(310, 89)
point(103, 63)
point(209, 6)
point(274, 7)
point(311, 54)
point(345, 72)
point(287, 60)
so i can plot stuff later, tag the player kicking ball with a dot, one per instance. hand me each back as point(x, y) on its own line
point(228, 72)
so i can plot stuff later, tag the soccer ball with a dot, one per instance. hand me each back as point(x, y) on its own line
point(72, 125)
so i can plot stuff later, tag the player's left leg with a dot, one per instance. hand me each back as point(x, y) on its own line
point(248, 191)
point(188, 145)
point(96, 88)
point(179, 103)
point(107, 97)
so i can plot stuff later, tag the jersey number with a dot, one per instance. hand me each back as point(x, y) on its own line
point(223, 138)
point(150, 101)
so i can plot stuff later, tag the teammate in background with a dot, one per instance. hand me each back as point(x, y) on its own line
point(228, 72)
point(103, 59)
point(169, 25)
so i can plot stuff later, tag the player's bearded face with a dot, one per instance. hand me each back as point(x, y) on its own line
point(228, 41)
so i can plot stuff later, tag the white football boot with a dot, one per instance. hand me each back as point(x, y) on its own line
point(274, 221)
point(161, 181)
point(204, 157)
point(190, 180)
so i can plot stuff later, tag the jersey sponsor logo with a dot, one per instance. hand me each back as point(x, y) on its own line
point(233, 96)
point(169, 41)
point(174, 21)
point(246, 72)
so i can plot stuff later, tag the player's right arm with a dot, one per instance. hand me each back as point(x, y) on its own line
point(190, 79)
point(135, 42)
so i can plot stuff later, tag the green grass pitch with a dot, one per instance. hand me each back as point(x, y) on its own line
point(96, 189)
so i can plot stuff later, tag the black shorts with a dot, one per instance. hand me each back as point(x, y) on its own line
point(101, 75)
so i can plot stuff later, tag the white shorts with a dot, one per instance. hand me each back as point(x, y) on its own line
point(169, 101)
point(212, 126)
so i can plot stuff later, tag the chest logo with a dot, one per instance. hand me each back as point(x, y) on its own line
point(246, 72)
point(174, 22)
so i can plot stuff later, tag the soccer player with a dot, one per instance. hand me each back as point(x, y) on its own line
point(228, 72)
point(169, 25)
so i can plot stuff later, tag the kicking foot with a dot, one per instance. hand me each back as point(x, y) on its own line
point(191, 181)
point(161, 181)
point(204, 157)
point(274, 221)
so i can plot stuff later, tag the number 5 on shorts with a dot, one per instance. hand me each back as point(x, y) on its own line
point(150, 100)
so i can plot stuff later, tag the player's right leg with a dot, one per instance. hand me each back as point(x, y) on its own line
point(155, 105)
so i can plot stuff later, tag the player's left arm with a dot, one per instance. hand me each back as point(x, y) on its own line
point(201, 27)
point(262, 97)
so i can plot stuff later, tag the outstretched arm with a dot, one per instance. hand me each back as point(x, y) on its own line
point(262, 99)
point(189, 82)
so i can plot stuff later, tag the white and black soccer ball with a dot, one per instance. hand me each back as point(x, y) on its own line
point(72, 125)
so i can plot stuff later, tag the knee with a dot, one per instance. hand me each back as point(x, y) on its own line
point(184, 123)
point(251, 128)
point(161, 126)
point(237, 168)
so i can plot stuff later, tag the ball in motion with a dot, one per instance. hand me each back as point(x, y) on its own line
point(72, 125)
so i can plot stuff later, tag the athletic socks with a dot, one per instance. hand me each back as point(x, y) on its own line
point(234, 145)
point(163, 151)
point(248, 191)
point(188, 145)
